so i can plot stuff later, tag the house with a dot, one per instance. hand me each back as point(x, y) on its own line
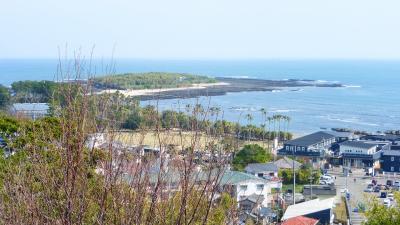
point(300, 220)
point(267, 171)
point(320, 210)
point(384, 137)
point(287, 163)
point(251, 203)
point(390, 161)
point(262, 215)
point(244, 186)
point(263, 170)
point(313, 147)
point(360, 154)
point(30, 110)
point(342, 136)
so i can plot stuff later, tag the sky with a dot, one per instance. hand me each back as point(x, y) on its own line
point(202, 29)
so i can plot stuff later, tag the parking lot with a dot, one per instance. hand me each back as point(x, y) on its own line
point(357, 182)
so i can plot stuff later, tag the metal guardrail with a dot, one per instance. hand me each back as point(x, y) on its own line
point(348, 211)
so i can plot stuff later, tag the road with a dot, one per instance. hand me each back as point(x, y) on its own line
point(356, 189)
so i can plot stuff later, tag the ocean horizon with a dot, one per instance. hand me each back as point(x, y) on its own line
point(369, 101)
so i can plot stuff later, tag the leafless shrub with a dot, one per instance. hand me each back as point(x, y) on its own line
point(81, 169)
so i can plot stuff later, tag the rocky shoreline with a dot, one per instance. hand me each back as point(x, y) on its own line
point(237, 85)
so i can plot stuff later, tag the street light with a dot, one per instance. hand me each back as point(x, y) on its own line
point(294, 178)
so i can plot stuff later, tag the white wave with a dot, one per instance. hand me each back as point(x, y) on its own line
point(238, 108)
point(350, 120)
point(352, 86)
point(282, 110)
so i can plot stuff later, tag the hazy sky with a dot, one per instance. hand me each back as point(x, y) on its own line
point(202, 28)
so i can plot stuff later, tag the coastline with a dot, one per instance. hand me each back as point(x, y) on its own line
point(223, 86)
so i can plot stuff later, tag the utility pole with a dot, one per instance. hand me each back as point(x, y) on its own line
point(311, 178)
point(294, 179)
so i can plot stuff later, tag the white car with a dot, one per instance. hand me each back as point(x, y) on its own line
point(326, 177)
point(368, 189)
point(322, 182)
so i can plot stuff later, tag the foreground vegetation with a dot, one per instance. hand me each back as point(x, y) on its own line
point(50, 175)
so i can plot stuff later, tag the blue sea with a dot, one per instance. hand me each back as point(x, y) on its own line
point(370, 101)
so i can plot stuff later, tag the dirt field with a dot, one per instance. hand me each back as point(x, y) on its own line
point(184, 139)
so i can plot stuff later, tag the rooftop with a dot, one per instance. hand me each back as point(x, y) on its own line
point(311, 139)
point(300, 220)
point(287, 163)
point(308, 207)
point(254, 198)
point(236, 177)
point(260, 167)
point(30, 106)
point(385, 137)
point(359, 144)
point(391, 152)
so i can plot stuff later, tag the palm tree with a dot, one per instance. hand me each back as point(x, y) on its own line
point(249, 118)
point(263, 124)
point(287, 119)
point(270, 119)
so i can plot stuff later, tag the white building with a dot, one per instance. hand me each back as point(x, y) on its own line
point(359, 154)
point(268, 171)
point(243, 186)
point(30, 110)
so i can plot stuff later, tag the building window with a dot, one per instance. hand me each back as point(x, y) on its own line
point(260, 175)
point(260, 187)
point(243, 187)
point(287, 147)
point(298, 148)
point(303, 148)
point(392, 159)
point(392, 168)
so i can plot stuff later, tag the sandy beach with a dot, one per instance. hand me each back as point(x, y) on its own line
point(144, 92)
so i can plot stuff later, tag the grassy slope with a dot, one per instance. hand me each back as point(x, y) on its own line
point(150, 80)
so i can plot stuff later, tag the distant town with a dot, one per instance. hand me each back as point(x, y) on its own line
point(336, 172)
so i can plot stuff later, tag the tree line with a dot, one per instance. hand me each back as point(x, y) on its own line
point(170, 119)
point(149, 80)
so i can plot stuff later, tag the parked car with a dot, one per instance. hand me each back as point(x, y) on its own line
point(368, 189)
point(326, 177)
point(396, 184)
point(370, 186)
point(389, 182)
point(377, 189)
point(383, 194)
